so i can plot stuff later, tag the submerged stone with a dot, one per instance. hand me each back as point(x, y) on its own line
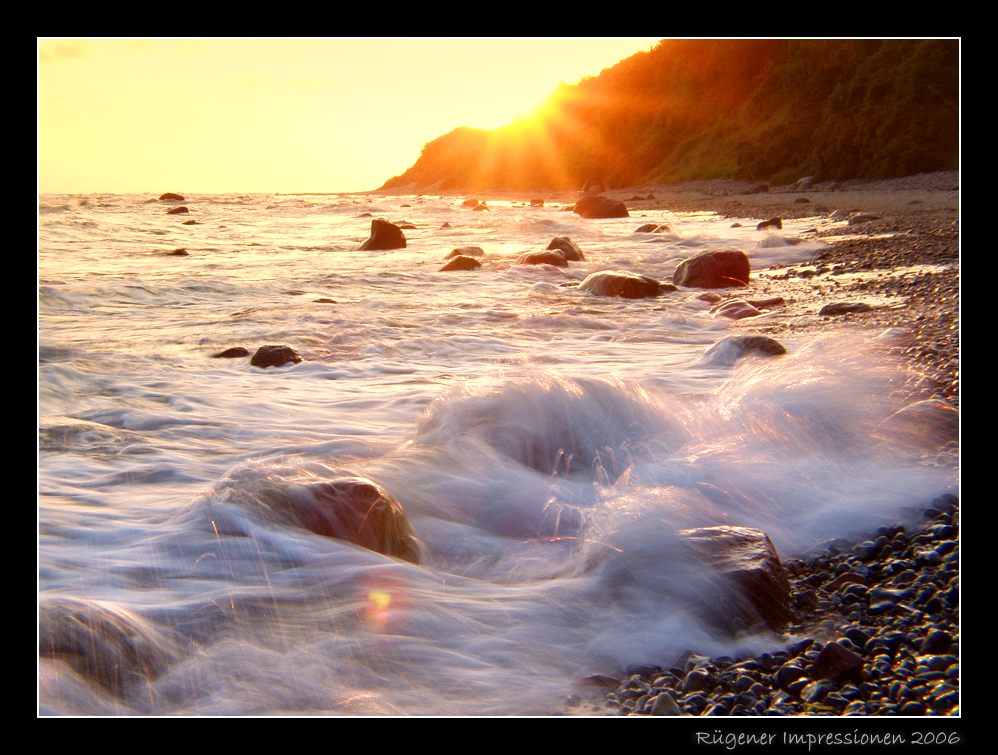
point(460, 262)
point(618, 283)
point(275, 356)
point(568, 248)
point(384, 236)
point(720, 268)
point(595, 206)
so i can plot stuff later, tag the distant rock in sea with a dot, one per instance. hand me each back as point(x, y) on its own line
point(177, 210)
point(170, 197)
point(623, 284)
point(542, 258)
point(466, 251)
point(232, 353)
point(275, 356)
point(568, 248)
point(771, 223)
point(461, 262)
point(594, 206)
point(384, 236)
point(730, 349)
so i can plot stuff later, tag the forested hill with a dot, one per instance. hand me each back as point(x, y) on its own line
point(768, 110)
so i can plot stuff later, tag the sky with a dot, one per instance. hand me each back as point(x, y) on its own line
point(281, 115)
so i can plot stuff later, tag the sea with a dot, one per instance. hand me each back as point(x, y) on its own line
point(546, 445)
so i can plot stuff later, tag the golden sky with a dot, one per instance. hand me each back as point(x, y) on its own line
point(273, 115)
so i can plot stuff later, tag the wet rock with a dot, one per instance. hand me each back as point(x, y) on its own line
point(663, 704)
point(771, 223)
point(836, 662)
point(325, 300)
point(654, 228)
point(170, 197)
point(697, 680)
point(721, 268)
point(815, 691)
point(108, 645)
point(177, 253)
point(759, 189)
point(542, 258)
point(731, 348)
point(466, 251)
point(936, 642)
point(384, 235)
point(177, 210)
point(735, 309)
point(472, 203)
point(234, 353)
point(354, 509)
point(619, 283)
point(406, 225)
point(461, 262)
point(536, 202)
point(568, 248)
point(710, 297)
point(275, 356)
point(932, 422)
point(595, 206)
point(787, 674)
point(857, 219)
point(754, 590)
point(802, 184)
point(773, 301)
point(844, 308)
point(190, 222)
point(736, 225)
point(601, 682)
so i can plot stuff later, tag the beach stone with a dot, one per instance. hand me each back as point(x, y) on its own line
point(619, 283)
point(177, 253)
point(735, 225)
point(654, 228)
point(663, 704)
point(802, 184)
point(759, 189)
point(773, 301)
point(384, 236)
point(595, 206)
point(754, 590)
point(233, 353)
point(736, 309)
point(836, 662)
point(461, 263)
point(816, 691)
point(771, 223)
point(568, 248)
point(466, 251)
point(110, 646)
point(325, 300)
point(275, 356)
point(170, 197)
point(844, 308)
point(788, 673)
point(720, 268)
point(177, 210)
point(542, 258)
point(857, 219)
point(697, 680)
point(190, 222)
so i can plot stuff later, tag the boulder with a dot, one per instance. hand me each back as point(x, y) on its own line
point(177, 210)
point(384, 235)
point(597, 206)
point(470, 203)
point(803, 184)
point(234, 353)
point(325, 300)
point(191, 222)
point(466, 251)
point(735, 309)
point(542, 258)
point(177, 253)
point(103, 643)
point(568, 248)
point(773, 301)
point(730, 349)
point(759, 189)
point(617, 283)
point(771, 223)
point(170, 197)
point(844, 308)
point(275, 356)
point(837, 662)
point(354, 509)
point(460, 262)
point(720, 268)
point(857, 219)
point(752, 588)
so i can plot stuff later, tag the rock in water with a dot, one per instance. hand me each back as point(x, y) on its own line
point(754, 589)
point(928, 423)
point(384, 235)
point(234, 353)
point(568, 248)
point(460, 262)
point(536, 202)
point(275, 356)
point(713, 269)
point(844, 308)
point(466, 251)
point(771, 223)
point(597, 206)
point(103, 643)
point(735, 309)
point(542, 258)
point(732, 348)
point(191, 222)
point(353, 509)
point(177, 210)
point(170, 197)
point(618, 283)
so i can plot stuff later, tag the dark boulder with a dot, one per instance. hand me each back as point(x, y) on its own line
point(325, 300)
point(177, 210)
point(844, 308)
point(837, 662)
point(275, 356)
point(353, 509)
point(191, 222)
point(857, 219)
point(103, 643)
point(773, 301)
point(568, 248)
point(472, 203)
point(542, 258)
point(384, 235)
point(719, 268)
point(170, 197)
point(654, 228)
point(177, 253)
point(753, 590)
point(617, 283)
point(234, 353)
point(771, 223)
point(597, 206)
point(732, 348)
point(460, 263)
point(466, 251)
